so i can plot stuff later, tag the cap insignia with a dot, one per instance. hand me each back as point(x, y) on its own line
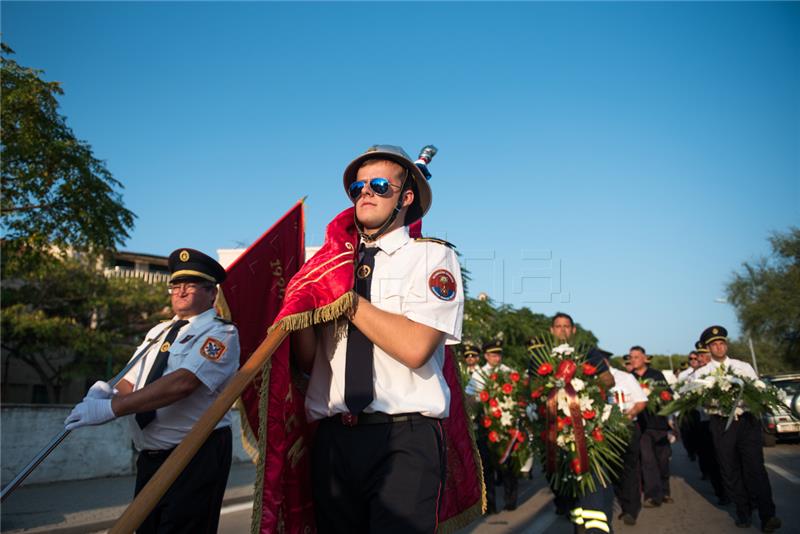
point(184, 255)
point(714, 331)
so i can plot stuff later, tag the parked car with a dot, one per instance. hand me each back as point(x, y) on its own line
point(782, 423)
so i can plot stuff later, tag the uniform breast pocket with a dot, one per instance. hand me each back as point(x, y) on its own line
point(388, 294)
point(177, 357)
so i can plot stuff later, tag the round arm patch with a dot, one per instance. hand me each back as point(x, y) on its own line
point(442, 284)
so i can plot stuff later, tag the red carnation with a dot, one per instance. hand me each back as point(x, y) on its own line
point(665, 396)
point(589, 369)
point(515, 376)
point(496, 414)
point(644, 385)
point(487, 422)
point(493, 437)
point(484, 396)
point(589, 414)
point(507, 389)
point(493, 377)
point(493, 403)
point(597, 434)
point(536, 393)
point(576, 466)
point(521, 437)
point(544, 369)
point(522, 404)
point(561, 422)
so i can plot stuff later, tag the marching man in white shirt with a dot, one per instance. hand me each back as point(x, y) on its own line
point(739, 449)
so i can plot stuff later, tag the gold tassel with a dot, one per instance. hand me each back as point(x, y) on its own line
point(263, 405)
point(329, 312)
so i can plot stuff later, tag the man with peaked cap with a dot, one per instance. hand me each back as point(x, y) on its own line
point(689, 423)
point(739, 448)
point(472, 357)
point(377, 389)
point(169, 389)
point(493, 472)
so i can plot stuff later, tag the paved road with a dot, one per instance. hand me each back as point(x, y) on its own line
point(693, 510)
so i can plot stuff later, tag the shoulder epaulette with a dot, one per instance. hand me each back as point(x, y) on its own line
point(434, 240)
point(220, 319)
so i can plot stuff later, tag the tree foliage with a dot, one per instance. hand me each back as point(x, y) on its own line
point(66, 320)
point(766, 295)
point(484, 322)
point(55, 193)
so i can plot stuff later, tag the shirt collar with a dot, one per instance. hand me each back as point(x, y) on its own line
point(200, 318)
point(391, 242)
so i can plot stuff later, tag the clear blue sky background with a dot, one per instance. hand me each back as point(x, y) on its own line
point(614, 161)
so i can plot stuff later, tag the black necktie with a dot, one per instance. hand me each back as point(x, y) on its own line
point(144, 418)
point(358, 386)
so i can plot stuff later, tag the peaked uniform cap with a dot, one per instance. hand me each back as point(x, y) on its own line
point(188, 263)
point(493, 347)
point(470, 349)
point(713, 333)
point(535, 343)
point(422, 190)
point(700, 347)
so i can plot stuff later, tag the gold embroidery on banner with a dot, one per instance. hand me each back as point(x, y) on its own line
point(348, 262)
point(320, 266)
point(291, 423)
point(296, 452)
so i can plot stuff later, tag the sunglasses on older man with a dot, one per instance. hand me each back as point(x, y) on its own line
point(380, 186)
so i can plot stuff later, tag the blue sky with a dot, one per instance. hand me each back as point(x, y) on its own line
point(617, 161)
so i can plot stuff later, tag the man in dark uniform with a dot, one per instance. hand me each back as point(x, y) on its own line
point(591, 512)
point(169, 389)
point(472, 357)
point(654, 444)
point(739, 448)
point(690, 422)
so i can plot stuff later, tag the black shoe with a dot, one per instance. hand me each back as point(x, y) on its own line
point(650, 503)
point(668, 499)
point(628, 519)
point(771, 525)
point(743, 522)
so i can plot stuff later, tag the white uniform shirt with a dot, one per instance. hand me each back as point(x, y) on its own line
point(738, 367)
point(209, 349)
point(685, 374)
point(475, 384)
point(626, 391)
point(420, 280)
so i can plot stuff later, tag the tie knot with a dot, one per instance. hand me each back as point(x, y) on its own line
point(180, 324)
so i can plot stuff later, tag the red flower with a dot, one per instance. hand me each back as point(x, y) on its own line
point(493, 437)
point(515, 376)
point(507, 389)
point(493, 377)
point(589, 414)
point(516, 446)
point(493, 403)
point(487, 422)
point(644, 385)
point(521, 437)
point(561, 422)
point(597, 434)
point(496, 414)
point(536, 393)
point(522, 404)
point(544, 369)
point(576, 466)
point(665, 396)
point(484, 396)
point(589, 369)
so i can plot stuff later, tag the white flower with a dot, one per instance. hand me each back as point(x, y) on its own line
point(506, 419)
point(586, 403)
point(606, 412)
point(561, 441)
point(724, 385)
point(564, 350)
point(759, 384)
point(578, 384)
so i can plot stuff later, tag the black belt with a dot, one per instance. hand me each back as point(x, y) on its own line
point(376, 418)
point(163, 453)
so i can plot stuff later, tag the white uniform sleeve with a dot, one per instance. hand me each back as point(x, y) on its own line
point(435, 294)
point(133, 373)
point(637, 393)
point(743, 369)
point(214, 357)
point(475, 384)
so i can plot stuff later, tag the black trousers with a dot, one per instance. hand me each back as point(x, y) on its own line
point(192, 504)
point(494, 473)
point(741, 464)
point(689, 433)
point(655, 453)
point(707, 458)
point(628, 485)
point(378, 478)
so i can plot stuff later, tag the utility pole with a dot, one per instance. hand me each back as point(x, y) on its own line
point(753, 353)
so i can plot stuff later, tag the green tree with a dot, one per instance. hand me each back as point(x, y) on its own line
point(766, 295)
point(61, 214)
point(56, 195)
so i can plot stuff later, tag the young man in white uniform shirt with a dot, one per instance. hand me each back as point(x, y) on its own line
point(169, 389)
point(739, 449)
point(631, 399)
point(379, 458)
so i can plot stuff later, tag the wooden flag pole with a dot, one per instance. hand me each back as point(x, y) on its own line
point(147, 499)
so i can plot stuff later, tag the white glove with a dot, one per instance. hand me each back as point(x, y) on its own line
point(89, 412)
point(101, 390)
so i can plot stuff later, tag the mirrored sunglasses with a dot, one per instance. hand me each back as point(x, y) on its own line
point(380, 186)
